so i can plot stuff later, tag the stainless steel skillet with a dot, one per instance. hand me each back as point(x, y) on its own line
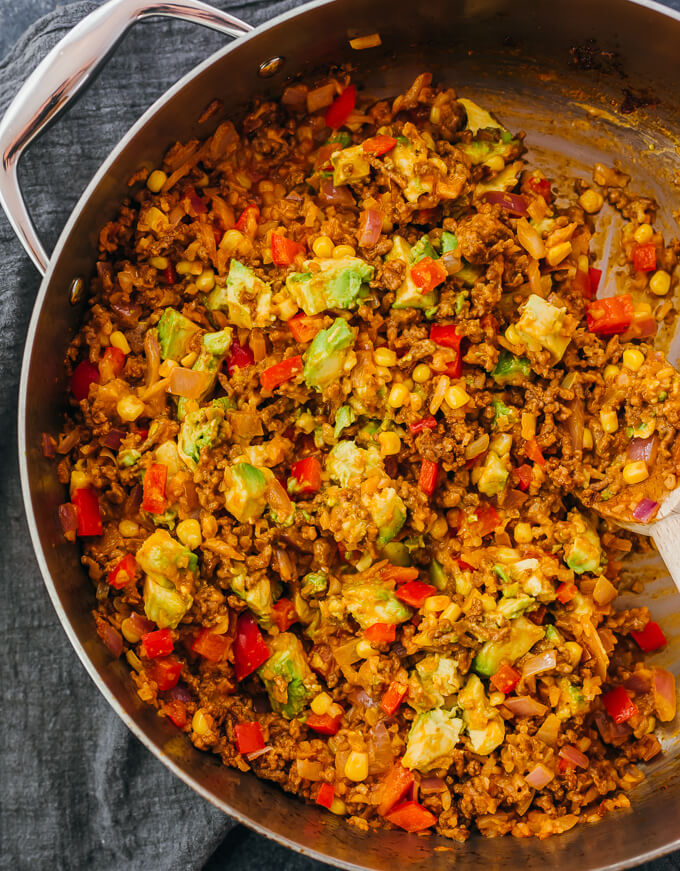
point(558, 70)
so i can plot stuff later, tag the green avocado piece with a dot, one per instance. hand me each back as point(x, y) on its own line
point(511, 607)
point(523, 635)
point(388, 512)
point(258, 597)
point(438, 576)
point(409, 295)
point(406, 157)
point(287, 677)
point(350, 165)
point(174, 334)
point(541, 325)
point(246, 298)
point(244, 497)
point(503, 416)
point(584, 552)
point(325, 357)
point(337, 284)
point(163, 602)
point(203, 428)
point(161, 554)
point(423, 248)
point(478, 118)
point(314, 584)
point(449, 242)
point(468, 274)
point(511, 369)
point(434, 682)
point(397, 553)
point(369, 602)
point(345, 416)
point(214, 347)
point(481, 150)
point(495, 474)
point(432, 738)
point(485, 726)
point(346, 461)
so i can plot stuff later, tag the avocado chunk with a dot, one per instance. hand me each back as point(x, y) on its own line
point(326, 356)
point(214, 347)
point(584, 552)
point(388, 512)
point(337, 284)
point(511, 369)
point(203, 428)
point(406, 157)
point(244, 495)
point(409, 294)
point(485, 726)
point(163, 602)
point(423, 248)
point(258, 596)
point(345, 416)
point(287, 677)
point(350, 165)
point(246, 298)
point(434, 683)
point(165, 562)
point(542, 325)
point(505, 180)
point(437, 575)
point(449, 242)
point(495, 474)
point(314, 584)
point(369, 602)
point(504, 417)
point(174, 334)
point(523, 635)
point(346, 461)
point(397, 553)
point(514, 606)
point(478, 118)
point(432, 738)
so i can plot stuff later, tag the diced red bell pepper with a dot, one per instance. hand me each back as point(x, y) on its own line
point(445, 336)
point(111, 363)
point(176, 711)
point(378, 145)
point(415, 592)
point(165, 672)
point(605, 317)
point(428, 274)
point(534, 452)
point(650, 638)
point(123, 572)
point(324, 724)
point(281, 372)
point(284, 250)
point(381, 633)
point(411, 816)
point(84, 374)
point(566, 592)
point(341, 108)
point(86, 503)
point(594, 276)
point(488, 519)
point(524, 474)
point(303, 327)
point(467, 567)
point(581, 284)
point(211, 646)
point(540, 186)
point(250, 650)
point(644, 257)
point(325, 795)
point(248, 738)
point(248, 221)
point(425, 423)
point(284, 614)
point(158, 643)
point(619, 705)
point(564, 765)
point(506, 679)
point(153, 489)
point(239, 357)
point(305, 477)
point(393, 697)
point(169, 275)
point(395, 786)
point(427, 479)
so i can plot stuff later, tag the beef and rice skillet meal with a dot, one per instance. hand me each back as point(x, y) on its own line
point(349, 434)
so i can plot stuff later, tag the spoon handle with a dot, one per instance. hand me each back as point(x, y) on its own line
point(666, 535)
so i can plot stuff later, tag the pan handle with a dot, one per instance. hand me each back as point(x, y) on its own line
point(60, 77)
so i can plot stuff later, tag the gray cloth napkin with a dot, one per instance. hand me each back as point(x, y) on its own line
point(77, 790)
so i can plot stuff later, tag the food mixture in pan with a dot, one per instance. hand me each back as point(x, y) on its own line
point(350, 427)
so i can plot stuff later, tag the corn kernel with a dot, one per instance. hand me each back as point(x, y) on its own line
point(635, 472)
point(189, 533)
point(633, 358)
point(356, 767)
point(322, 247)
point(501, 443)
point(398, 396)
point(335, 711)
point(321, 703)
point(189, 359)
point(156, 180)
point(583, 263)
point(288, 308)
point(643, 234)
point(574, 651)
point(495, 163)
point(338, 807)
point(365, 649)
point(166, 367)
point(201, 722)
point(130, 631)
point(422, 373)
point(439, 528)
point(610, 372)
point(488, 602)
point(436, 604)
point(660, 282)
point(390, 443)
point(496, 698)
point(129, 408)
point(591, 201)
point(558, 252)
point(119, 341)
point(523, 533)
point(528, 425)
point(128, 528)
point(512, 335)
point(183, 267)
point(159, 262)
point(415, 401)
point(79, 480)
point(587, 439)
point(341, 251)
point(456, 396)
point(231, 240)
point(609, 420)
point(384, 357)
point(452, 613)
point(206, 281)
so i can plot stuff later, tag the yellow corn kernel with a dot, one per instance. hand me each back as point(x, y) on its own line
point(335, 711)
point(201, 722)
point(398, 396)
point(159, 262)
point(365, 649)
point(341, 251)
point(609, 420)
point(643, 309)
point(583, 263)
point(338, 807)
point(501, 443)
point(206, 281)
point(415, 401)
point(587, 439)
point(643, 234)
point(231, 240)
point(523, 533)
point(439, 528)
point(321, 703)
point(488, 602)
point(166, 367)
point(184, 267)
point(322, 247)
point(528, 425)
point(436, 604)
point(130, 631)
point(422, 373)
point(452, 613)
point(633, 359)
point(512, 335)
point(128, 528)
point(119, 341)
point(610, 372)
point(384, 357)
point(591, 201)
point(156, 180)
point(558, 252)
point(456, 396)
point(189, 533)
point(476, 474)
point(288, 308)
point(129, 408)
point(635, 472)
point(390, 443)
point(79, 480)
point(495, 163)
point(660, 282)
point(574, 651)
point(496, 698)
point(356, 767)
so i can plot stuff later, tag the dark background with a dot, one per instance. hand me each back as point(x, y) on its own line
point(77, 790)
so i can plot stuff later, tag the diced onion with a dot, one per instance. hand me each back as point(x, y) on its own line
point(429, 785)
point(530, 240)
point(524, 706)
point(640, 682)
point(370, 227)
point(643, 449)
point(110, 636)
point(604, 591)
point(68, 518)
point(380, 756)
point(644, 510)
point(346, 654)
point(539, 776)
point(113, 438)
point(252, 756)
point(370, 41)
point(189, 383)
point(573, 754)
point(539, 663)
point(295, 97)
point(451, 261)
point(513, 203)
point(663, 690)
point(307, 769)
point(549, 730)
point(277, 499)
point(477, 447)
point(321, 97)
point(330, 195)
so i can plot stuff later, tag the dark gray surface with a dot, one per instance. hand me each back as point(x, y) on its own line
point(77, 790)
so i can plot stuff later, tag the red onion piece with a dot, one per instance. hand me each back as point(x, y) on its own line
point(645, 510)
point(430, 785)
point(451, 262)
point(360, 697)
point(539, 776)
point(330, 195)
point(110, 636)
point(524, 706)
point(513, 203)
point(539, 663)
point(380, 756)
point(189, 383)
point(252, 756)
point(321, 97)
point(573, 754)
point(663, 690)
point(48, 446)
point(295, 97)
point(611, 732)
point(643, 449)
point(113, 438)
point(179, 693)
point(68, 518)
point(604, 591)
point(549, 730)
point(370, 227)
point(639, 683)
